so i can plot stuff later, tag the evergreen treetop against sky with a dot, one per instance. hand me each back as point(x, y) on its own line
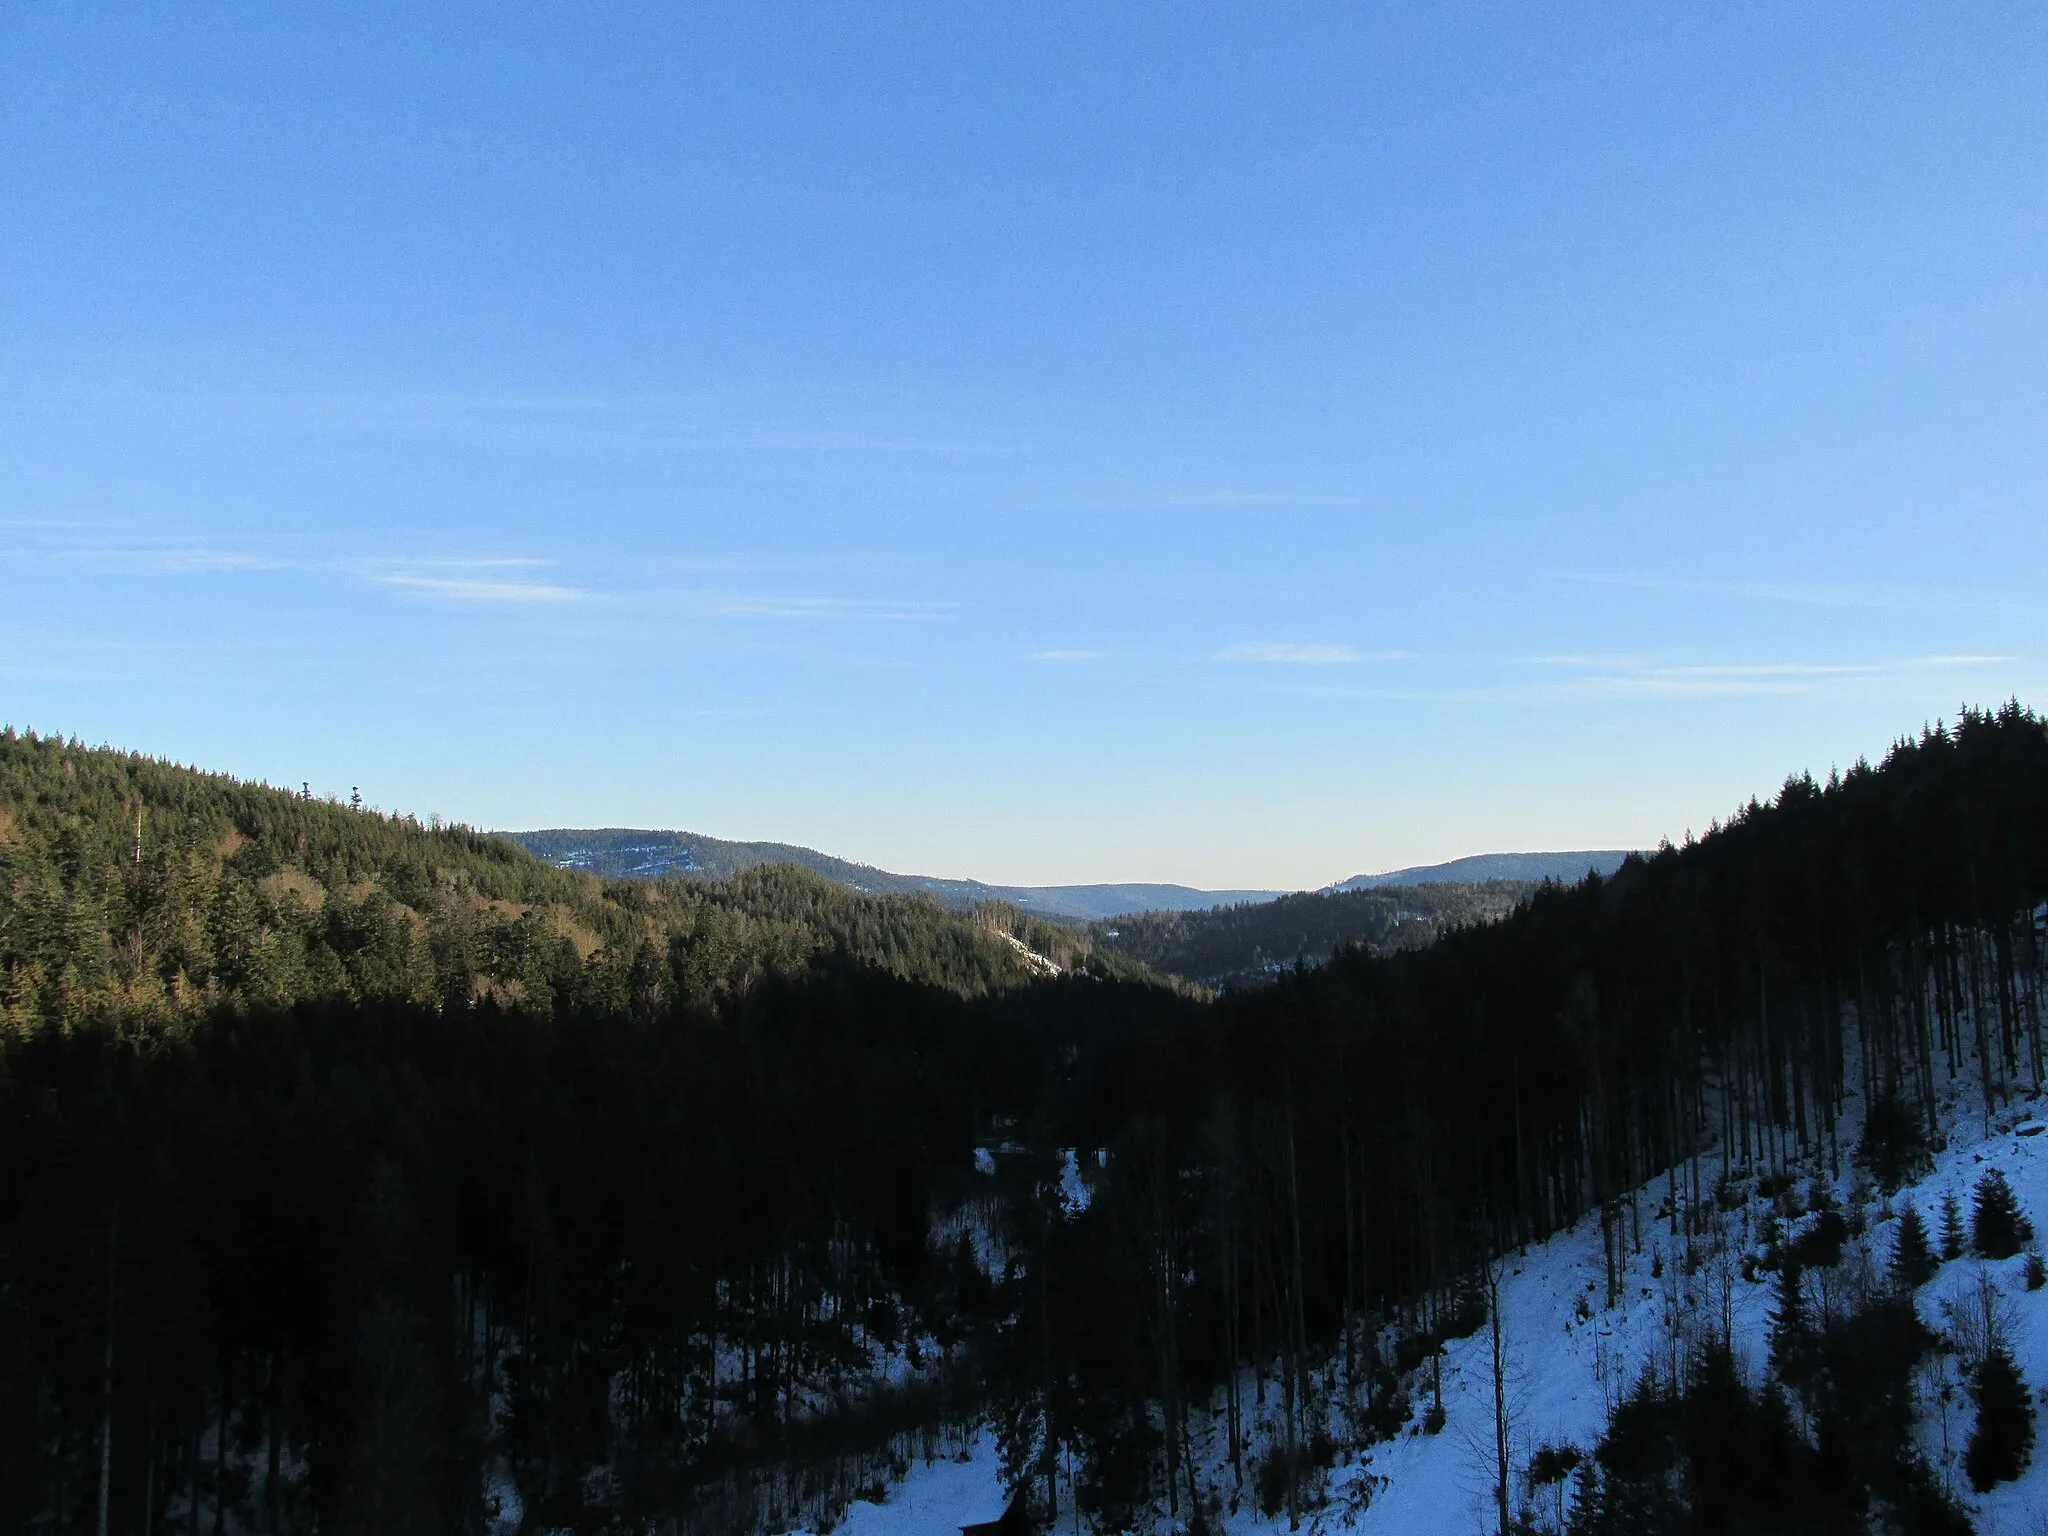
point(1242, 446)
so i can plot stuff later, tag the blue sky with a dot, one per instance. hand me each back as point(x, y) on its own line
point(1244, 446)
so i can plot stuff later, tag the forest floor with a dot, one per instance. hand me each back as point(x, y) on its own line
point(936, 1498)
point(1569, 1359)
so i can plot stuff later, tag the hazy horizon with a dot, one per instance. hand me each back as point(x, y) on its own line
point(1041, 445)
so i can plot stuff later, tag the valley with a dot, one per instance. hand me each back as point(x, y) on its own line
point(751, 1205)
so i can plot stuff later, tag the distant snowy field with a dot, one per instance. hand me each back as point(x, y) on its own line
point(1569, 1360)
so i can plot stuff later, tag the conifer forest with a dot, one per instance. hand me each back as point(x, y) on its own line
point(351, 1168)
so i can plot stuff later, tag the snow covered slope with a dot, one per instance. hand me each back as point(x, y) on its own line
point(1570, 1359)
point(936, 1498)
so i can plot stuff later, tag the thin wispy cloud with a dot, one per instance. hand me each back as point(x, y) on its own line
point(783, 605)
point(1647, 679)
point(1877, 596)
point(520, 581)
point(1625, 675)
point(1213, 499)
point(482, 589)
point(1295, 654)
point(176, 562)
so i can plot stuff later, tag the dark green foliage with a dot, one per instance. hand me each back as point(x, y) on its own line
point(1791, 1333)
point(1466, 1313)
point(2036, 1271)
point(1299, 1473)
point(1713, 1456)
point(1819, 1243)
point(631, 1123)
point(1249, 943)
point(1387, 1408)
point(2004, 1435)
point(1913, 1261)
point(1998, 1230)
point(1894, 1145)
point(1953, 1238)
point(134, 889)
point(1550, 1471)
point(304, 1191)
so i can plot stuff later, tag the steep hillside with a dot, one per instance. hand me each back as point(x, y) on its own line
point(626, 854)
point(1597, 1358)
point(132, 886)
point(1248, 945)
point(725, 1253)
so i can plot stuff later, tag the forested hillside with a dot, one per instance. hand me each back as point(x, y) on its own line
point(1250, 943)
point(1567, 868)
point(682, 1256)
point(615, 853)
point(623, 853)
point(133, 888)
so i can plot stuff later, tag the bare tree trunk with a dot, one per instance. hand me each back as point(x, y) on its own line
point(1500, 1393)
point(220, 1452)
point(270, 1428)
point(107, 1431)
point(107, 1386)
point(149, 1475)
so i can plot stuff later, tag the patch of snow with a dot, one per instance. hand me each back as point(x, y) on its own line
point(1040, 964)
point(936, 1498)
point(1074, 1191)
point(502, 1508)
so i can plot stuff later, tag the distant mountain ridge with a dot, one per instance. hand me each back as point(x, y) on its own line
point(635, 853)
point(1476, 869)
point(626, 853)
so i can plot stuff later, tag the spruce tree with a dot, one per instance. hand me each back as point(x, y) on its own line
point(1997, 1229)
point(1913, 1261)
point(1894, 1146)
point(1791, 1335)
point(1951, 1226)
point(2004, 1437)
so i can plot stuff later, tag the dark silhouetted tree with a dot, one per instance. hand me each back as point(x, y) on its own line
point(1997, 1228)
point(1954, 1240)
point(2004, 1436)
point(1913, 1261)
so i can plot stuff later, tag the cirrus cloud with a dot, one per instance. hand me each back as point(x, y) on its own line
point(1298, 654)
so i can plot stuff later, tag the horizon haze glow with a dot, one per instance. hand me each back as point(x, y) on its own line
point(1044, 444)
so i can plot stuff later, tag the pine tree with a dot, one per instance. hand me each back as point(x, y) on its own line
point(2004, 1436)
point(1913, 1261)
point(1997, 1229)
point(1951, 1226)
point(1894, 1146)
point(1791, 1334)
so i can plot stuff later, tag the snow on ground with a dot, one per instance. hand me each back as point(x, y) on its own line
point(2018, 1508)
point(1564, 1370)
point(1041, 965)
point(935, 1499)
point(1570, 1358)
